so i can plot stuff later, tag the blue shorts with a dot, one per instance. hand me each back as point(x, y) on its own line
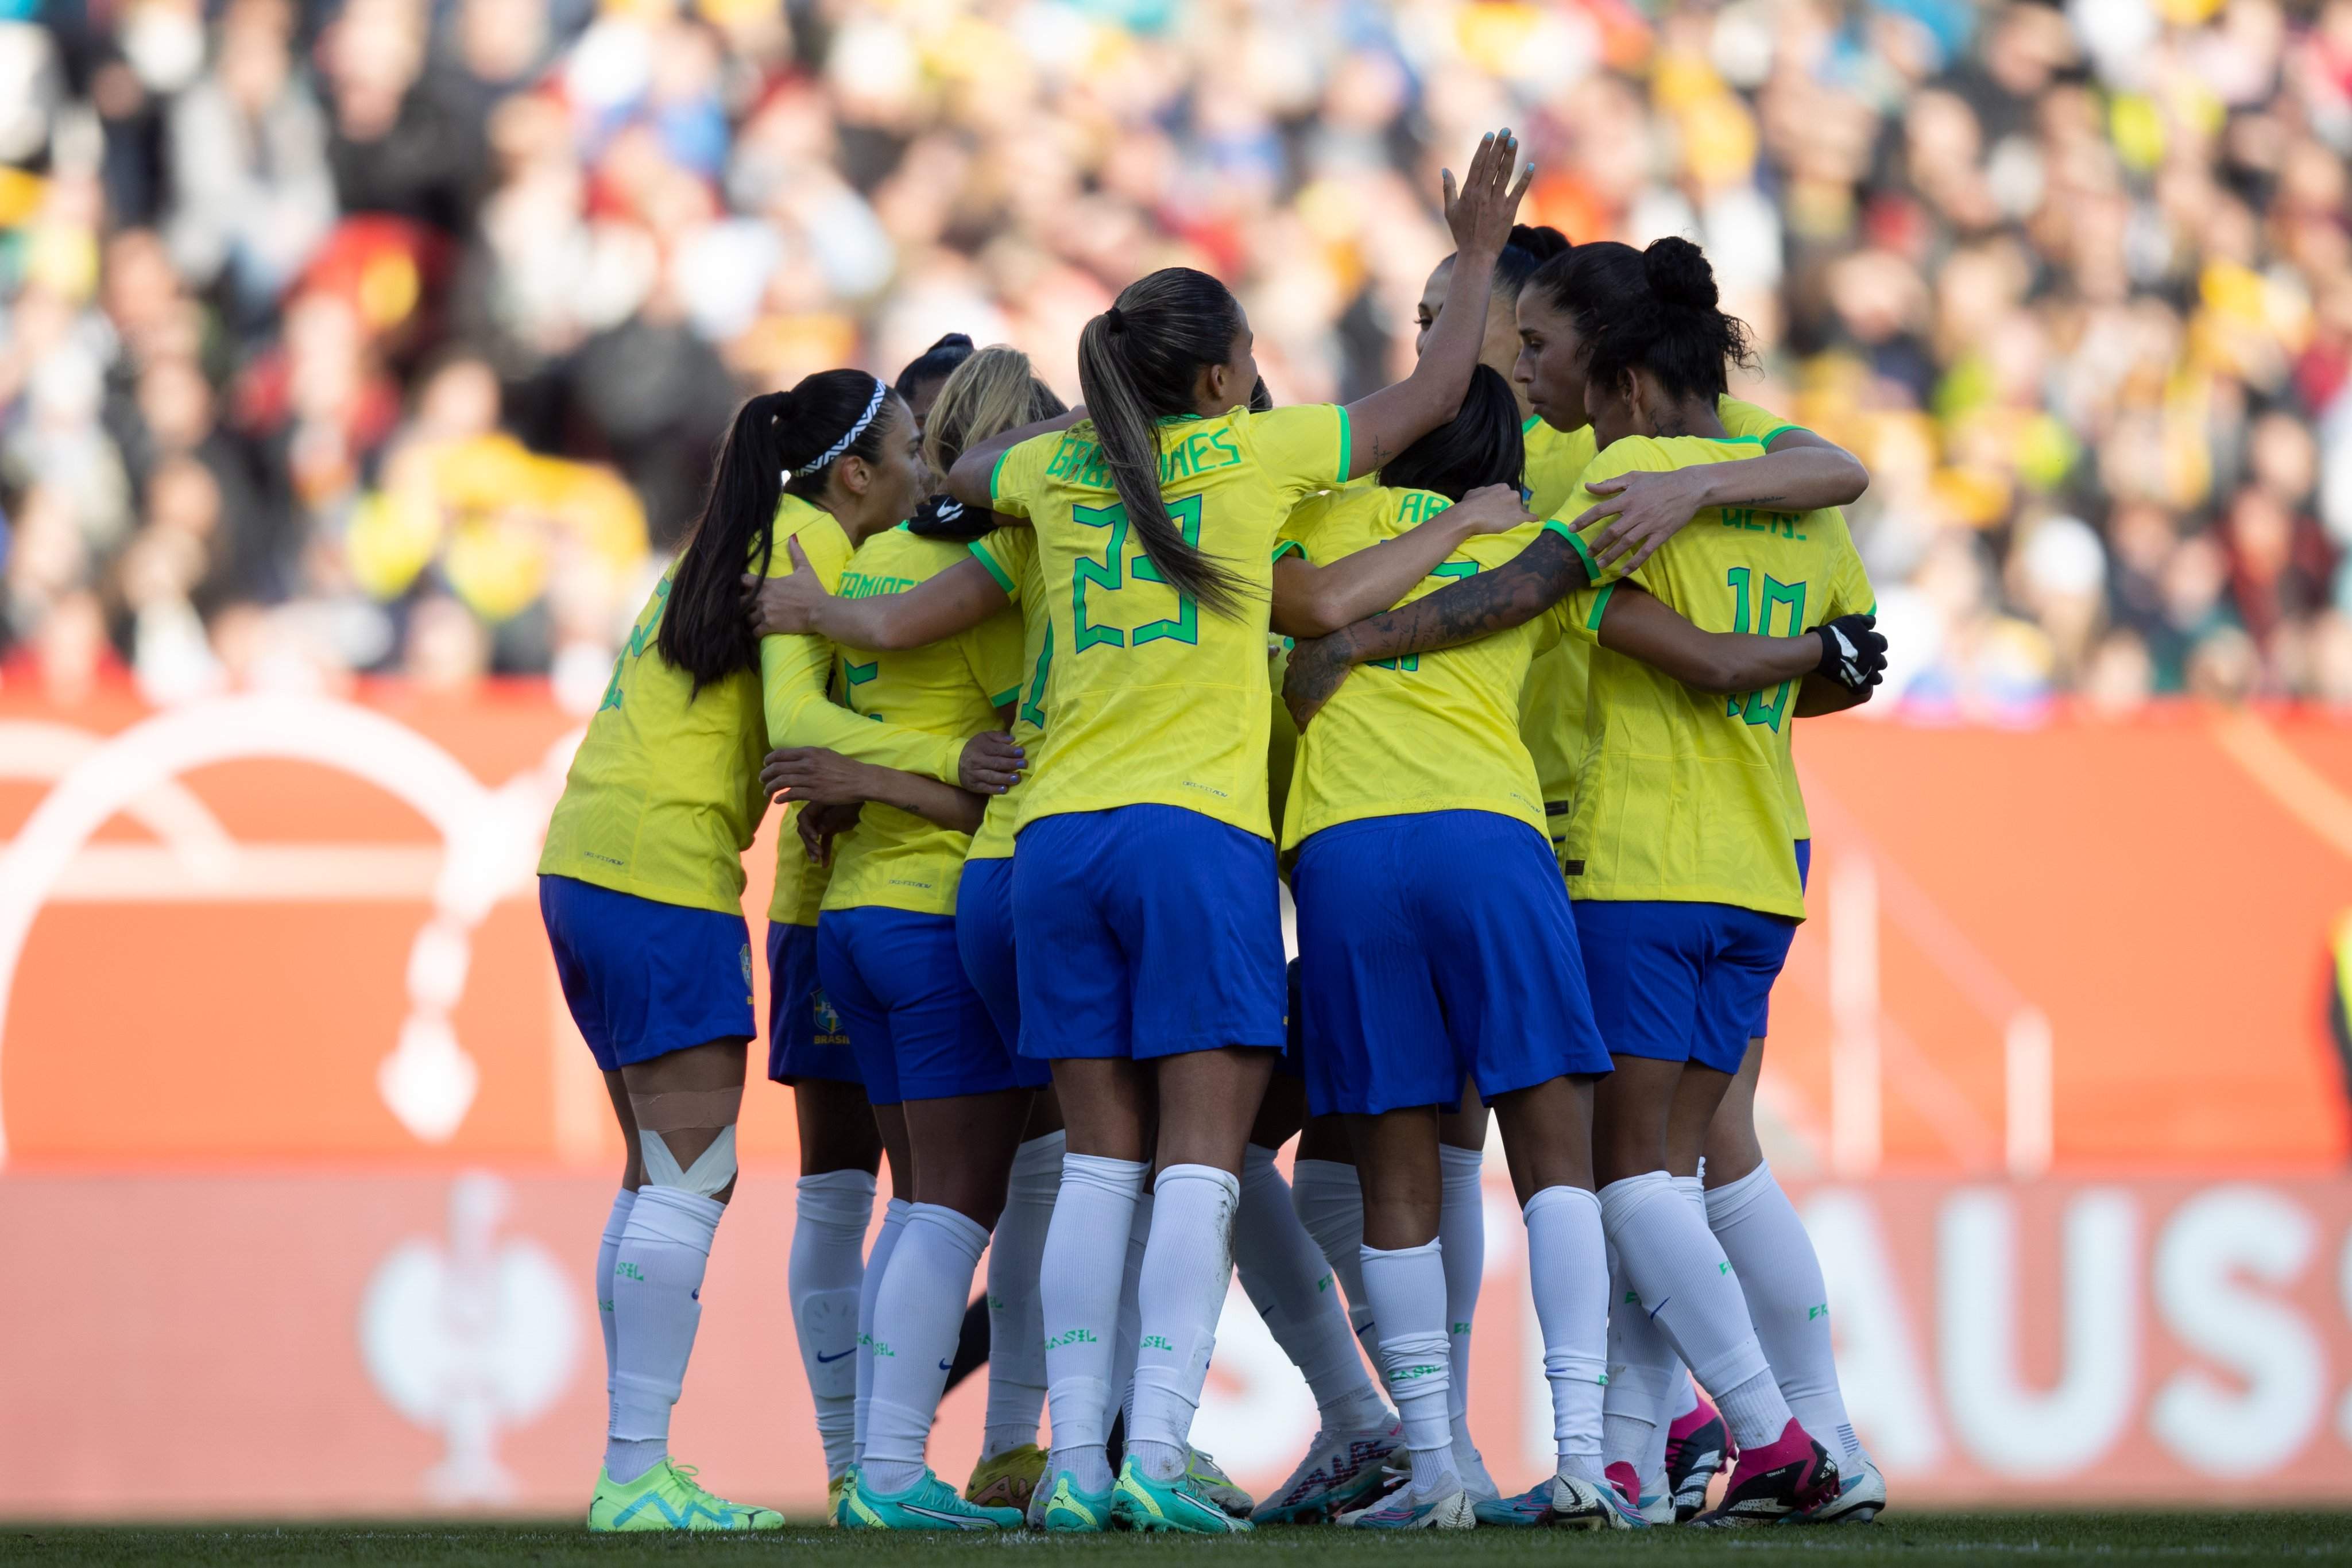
point(644, 978)
point(1435, 947)
point(1762, 1027)
point(984, 937)
point(920, 1029)
point(1681, 982)
point(805, 1038)
point(1143, 932)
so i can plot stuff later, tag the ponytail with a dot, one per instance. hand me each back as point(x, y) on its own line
point(781, 444)
point(1137, 364)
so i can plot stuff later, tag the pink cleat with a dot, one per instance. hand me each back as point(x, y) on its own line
point(1698, 1446)
point(1780, 1481)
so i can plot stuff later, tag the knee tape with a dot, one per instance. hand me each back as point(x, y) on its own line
point(706, 1178)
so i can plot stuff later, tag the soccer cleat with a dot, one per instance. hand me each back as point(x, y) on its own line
point(1405, 1509)
point(1340, 1470)
point(838, 1492)
point(1203, 1471)
point(1579, 1504)
point(1699, 1445)
point(1068, 1510)
point(1788, 1477)
point(1140, 1503)
point(835, 1490)
point(1476, 1480)
point(1862, 1493)
point(1525, 1511)
point(1658, 1506)
point(1008, 1481)
point(666, 1498)
point(930, 1504)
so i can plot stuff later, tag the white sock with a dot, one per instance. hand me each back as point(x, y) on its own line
point(1774, 1261)
point(916, 1321)
point(1642, 1370)
point(1462, 1227)
point(1130, 1312)
point(1329, 1200)
point(1017, 1322)
point(869, 1291)
point(1079, 1291)
point(607, 1248)
point(1407, 1287)
point(658, 1275)
point(1686, 1286)
point(1187, 1269)
point(831, 1212)
point(1285, 1278)
point(1567, 1269)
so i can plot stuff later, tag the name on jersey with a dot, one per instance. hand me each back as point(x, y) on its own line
point(1780, 525)
point(1081, 463)
point(857, 585)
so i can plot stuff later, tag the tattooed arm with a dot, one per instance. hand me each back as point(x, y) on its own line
point(1512, 594)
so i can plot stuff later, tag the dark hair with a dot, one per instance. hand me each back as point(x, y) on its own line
point(1528, 249)
point(990, 393)
point(1673, 329)
point(1591, 282)
point(703, 630)
point(1137, 363)
point(1484, 443)
point(935, 363)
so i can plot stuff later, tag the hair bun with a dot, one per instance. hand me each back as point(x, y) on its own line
point(1539, 240)
point(1678, 274)
point(950, 340)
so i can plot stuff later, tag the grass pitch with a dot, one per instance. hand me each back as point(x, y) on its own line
point(1921, 1538)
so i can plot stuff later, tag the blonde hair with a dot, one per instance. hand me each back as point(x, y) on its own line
point(995, 391)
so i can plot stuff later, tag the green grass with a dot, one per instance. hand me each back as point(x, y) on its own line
point(2102, 1537)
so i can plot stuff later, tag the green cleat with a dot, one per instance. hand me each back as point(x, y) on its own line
point(837, 1497)
point(1008, 1479)
point(930, 1504)
point(666, 1497)
point(1067, 1511)
point(1142, 1504)
point(1209, 1479)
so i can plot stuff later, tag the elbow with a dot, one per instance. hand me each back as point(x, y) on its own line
point(968, 480)
point(1853, 481)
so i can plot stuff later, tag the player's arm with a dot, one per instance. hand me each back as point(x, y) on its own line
point(792, 674)
point(1513, 593)
point(1641, 626)
point(1820, 695)
point(1798, 472)
point(1311, 600)
point(1391, 418)
point(971, 479)
point(796, 603)
point(819, 777)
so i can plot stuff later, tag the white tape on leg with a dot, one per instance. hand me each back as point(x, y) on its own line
point(706, 1178)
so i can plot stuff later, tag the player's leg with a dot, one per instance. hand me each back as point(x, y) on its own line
point(632, 1173)
point(1462, 1230)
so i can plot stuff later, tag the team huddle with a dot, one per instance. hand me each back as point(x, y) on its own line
point(1497, 669)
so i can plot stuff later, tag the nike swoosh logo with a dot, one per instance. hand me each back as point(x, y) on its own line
point(1659, 1308)
point(823, 1358)
point(946, 1366)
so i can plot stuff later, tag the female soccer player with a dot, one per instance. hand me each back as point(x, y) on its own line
point(1144, 896)
point(1687, 894)
point(641, 886)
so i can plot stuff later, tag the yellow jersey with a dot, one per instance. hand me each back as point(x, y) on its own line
point(799, 881)
point(663, 796)
point(1156, 700)
point(1551, 712)
point(1683, 795)
point(1011, 557)
point(1428, 732)
point(951, 688)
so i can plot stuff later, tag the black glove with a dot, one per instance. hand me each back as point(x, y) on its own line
point(1853, 654)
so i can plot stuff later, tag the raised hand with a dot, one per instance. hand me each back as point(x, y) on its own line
point(1481, 212)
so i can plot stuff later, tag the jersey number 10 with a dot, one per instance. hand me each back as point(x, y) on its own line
point(1750, 613)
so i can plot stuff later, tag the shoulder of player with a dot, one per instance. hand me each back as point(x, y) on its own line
point(820, 535)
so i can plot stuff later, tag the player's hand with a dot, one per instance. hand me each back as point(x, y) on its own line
point(1650, 507)
point(1481, 211)
point(784, 606)
point(815, 776)
point(820, 825)
point(1854, 652)
point(1490, 510)
point(1317, 668)
point(991, 764)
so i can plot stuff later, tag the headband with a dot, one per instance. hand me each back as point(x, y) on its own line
point(849, 438)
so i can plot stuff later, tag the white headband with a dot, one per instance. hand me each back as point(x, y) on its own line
point(872, 407)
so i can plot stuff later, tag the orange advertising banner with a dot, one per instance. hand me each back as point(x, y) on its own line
point(289, 1094)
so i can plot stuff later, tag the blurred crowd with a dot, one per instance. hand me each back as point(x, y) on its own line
point(356, 335)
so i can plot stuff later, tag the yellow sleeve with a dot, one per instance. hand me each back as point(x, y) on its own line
point(992, 650)
point(1009, 554)
point(1743, 419)
point(1303, 448)
point(1850, 589)
point(1019, 475)
point(1301, 525)
point(1635, 451)
point(1579, 615)
point(795, 671)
